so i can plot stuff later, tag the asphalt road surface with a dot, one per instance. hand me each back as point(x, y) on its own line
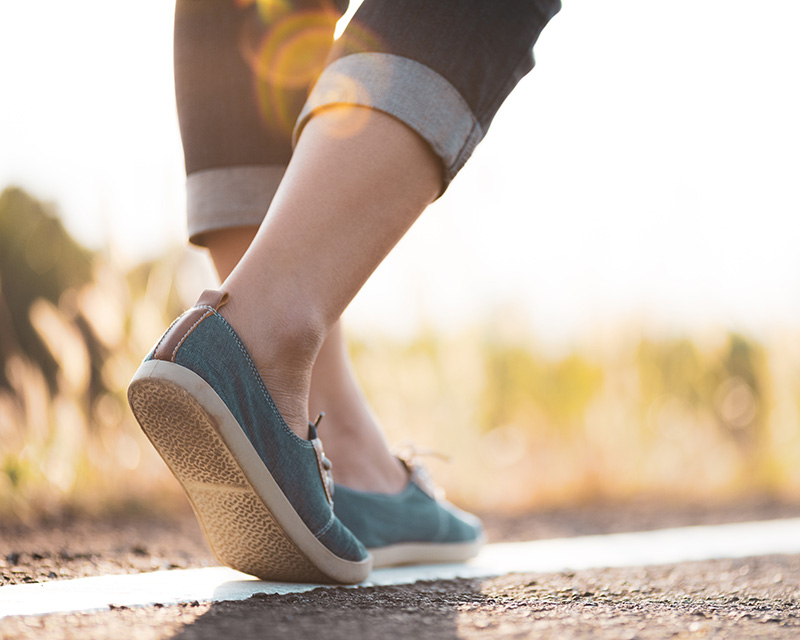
point(743, 598)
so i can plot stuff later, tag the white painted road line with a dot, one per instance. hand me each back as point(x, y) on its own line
point(218, 583)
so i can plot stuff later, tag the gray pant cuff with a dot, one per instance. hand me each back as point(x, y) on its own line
point(229, 197)
point(407, 90)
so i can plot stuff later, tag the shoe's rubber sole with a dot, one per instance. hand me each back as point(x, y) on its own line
point(425, 553)
point(248, 521)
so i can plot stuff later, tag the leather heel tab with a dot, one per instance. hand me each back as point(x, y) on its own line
point(212, 298)
point(170, 342)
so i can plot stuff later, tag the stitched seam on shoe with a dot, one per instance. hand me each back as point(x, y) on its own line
point(304, 443)
point(186, 335)
point(324, 529)
point(164, 335)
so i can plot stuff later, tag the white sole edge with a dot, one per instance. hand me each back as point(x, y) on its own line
point(425, 553)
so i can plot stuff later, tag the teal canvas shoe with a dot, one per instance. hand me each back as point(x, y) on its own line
point(415, 526)
point(262, 495)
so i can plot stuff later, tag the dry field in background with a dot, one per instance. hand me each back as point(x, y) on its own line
point(682, 417)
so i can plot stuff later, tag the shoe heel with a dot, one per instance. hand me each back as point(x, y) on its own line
point(241, 531)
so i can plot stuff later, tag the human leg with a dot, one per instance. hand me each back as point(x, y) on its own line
point(454, 101)
point(430, 105)
point(342, 206)
point(357, 181)
point(361, 456)
point(236, 128)
point(354, 441)
point(450, 84)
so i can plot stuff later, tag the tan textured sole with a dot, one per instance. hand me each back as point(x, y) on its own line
point(246, 518)
point(425, 553)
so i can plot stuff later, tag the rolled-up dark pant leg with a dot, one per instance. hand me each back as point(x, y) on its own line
point(443, 67)
point(242, 74)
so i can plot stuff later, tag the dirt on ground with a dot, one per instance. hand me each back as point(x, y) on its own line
point(751, 598)
point(748, 598)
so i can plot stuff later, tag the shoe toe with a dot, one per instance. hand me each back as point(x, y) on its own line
point(458, 525)
point(341, 541)
point(411, 517)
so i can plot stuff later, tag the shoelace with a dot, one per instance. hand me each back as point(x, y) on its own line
point(410, 454)
point(323, 462)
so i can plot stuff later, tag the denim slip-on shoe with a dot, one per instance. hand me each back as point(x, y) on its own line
point(414, 526)
point(262, 495)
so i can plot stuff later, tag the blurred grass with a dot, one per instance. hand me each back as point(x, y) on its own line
point(680, 417)
point(73, 329)
point(670, 417)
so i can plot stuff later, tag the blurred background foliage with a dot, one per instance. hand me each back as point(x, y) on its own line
point(673, 417)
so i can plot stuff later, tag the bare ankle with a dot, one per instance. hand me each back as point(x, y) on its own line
point(283, 347)
point(276, 331)
point(361, 457)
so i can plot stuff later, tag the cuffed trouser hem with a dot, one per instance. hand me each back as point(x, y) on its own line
point(229, 197)
point(406, 90)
